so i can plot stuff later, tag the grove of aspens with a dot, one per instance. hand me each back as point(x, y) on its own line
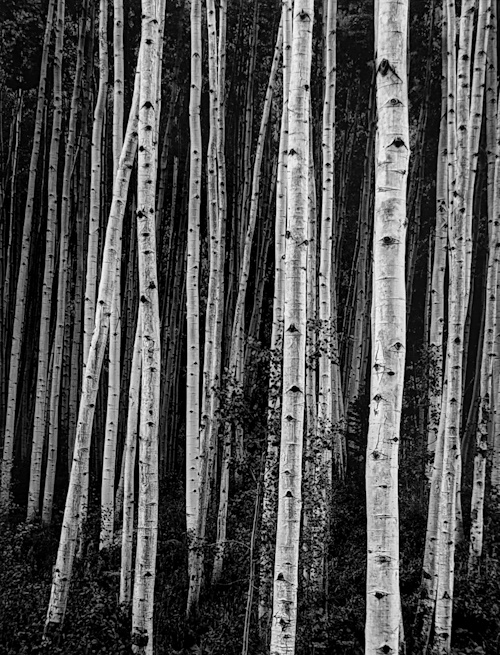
point(249, 327)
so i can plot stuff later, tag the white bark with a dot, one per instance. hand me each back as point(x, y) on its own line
point(129, 457)
point(42, 386)
point(284, 620)
point(22, 280)
point(192, 302)
point(147, 518)
point(79, 472)
point(270, 495)
point(388, 331)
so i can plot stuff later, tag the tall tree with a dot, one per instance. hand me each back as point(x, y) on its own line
point(192, 305)
point(43, 387)
point(383, 608)
point(22, 280)
point(114, 376)
point(270, 495)
point(284, 621)
point(153, 15)
point(78, 483)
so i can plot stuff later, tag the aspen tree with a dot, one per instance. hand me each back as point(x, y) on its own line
point(62, 284)
point(89, 303)
point(217, 257)
point(113, 400)
point(315, 513)
point(18, 327)
point(129, 458)
point(495, 431)
point(147, 515)
point(192, 304)
point(459, 258)
point(10, 258)
point(236, 358)
point(208, 429)
point(42, 388)
point(81, 220)
point(270, 493)
point(95, 181)
point(326, 282)
point(79, 471)
point(435, 427)
point(437, 306)
point(358, 298)
point(284, 616)
point(486, 31)
point(383, 609)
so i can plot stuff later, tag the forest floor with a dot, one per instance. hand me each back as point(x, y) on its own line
point(95, 623)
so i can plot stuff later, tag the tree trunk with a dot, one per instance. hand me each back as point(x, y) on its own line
point(284, 616)
point(388, 329)
point(147, 517)
point(79, 471)
point(192, 306)
point(42, 387)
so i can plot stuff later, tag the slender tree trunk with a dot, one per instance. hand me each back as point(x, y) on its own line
point(18, 327)
point(114, 373)
point(459, 258)
point(192, 306)
point(270, 492)
point(237, 350)
point(129, 458)
point(383, 609)
point(284, 617)
point(95, 213)
point(486, 38)
point(147, 517)
point(78, 483)
point(42, 387)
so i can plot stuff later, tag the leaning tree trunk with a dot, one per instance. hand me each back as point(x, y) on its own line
point(114, 377)
point(383, 607)
point(79, 471)
point(89, 303)
point(129, 458)
point(284, 617)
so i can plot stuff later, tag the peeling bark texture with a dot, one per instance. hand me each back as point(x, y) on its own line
point(284, 619)
point(388, 330)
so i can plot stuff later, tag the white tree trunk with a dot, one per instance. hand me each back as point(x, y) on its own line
point(79, 471)
point(192, 305)
point(129, 457)
point(22, 280)
point(388, 331)
point(284, 619)
point(42, 385)
point(147, 517)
